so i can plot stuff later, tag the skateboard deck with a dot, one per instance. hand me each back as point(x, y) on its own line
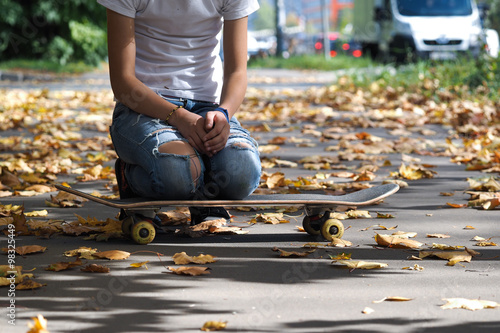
point(140, 227)
point(360, 198)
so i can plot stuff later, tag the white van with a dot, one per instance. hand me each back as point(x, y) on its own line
point(435, 29)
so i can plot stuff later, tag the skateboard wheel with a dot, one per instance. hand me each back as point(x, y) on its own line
point(143, 232)
point(332, 228)
point(127, 224)
point(311, 229)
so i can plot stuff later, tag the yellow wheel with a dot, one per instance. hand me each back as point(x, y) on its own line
point(332, 228)
point(143, 232)
point(127, 224)
point(310, 229)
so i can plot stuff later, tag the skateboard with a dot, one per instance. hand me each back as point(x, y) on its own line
point(138, 213)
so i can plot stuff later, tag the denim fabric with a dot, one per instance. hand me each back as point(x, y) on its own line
point(232, 173)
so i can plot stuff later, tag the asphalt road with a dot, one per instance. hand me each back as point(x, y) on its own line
point(253, 289)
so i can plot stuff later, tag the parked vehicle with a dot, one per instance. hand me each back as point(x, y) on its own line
point(435, 29)
point(338, 45)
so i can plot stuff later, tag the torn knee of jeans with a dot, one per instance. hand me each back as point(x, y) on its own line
point(179, 148)
point(241, 145)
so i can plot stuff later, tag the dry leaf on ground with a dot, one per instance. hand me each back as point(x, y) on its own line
point(415, 267)
point(367, 310)
point(183, 259)
point(453, 257)
point(112, 255)
point(394, 299)
point(6, 272)
point(293, 254)
point(210, 326)
point(61, 266)
point(39, 325)
point(82, 252)
point(29, 284)
point(94, 268)
point(437, 236)
point(270, 218)
point(193, 271)
point(28, 249)
point(140, 264)
point(468, 304)
point(339, 242)
point(397, 242)
point(353, 264)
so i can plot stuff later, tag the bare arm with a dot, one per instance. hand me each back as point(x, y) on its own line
point(235, 64)
point(234, 84)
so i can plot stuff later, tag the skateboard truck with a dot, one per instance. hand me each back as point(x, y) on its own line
point(140, 224)
point(318, 222)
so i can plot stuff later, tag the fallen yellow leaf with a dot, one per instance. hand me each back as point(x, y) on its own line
point(193, 271)
point(293, 254)
point(367, 310)
point(39, 325)
point(28, 249)
point(37, 213)
point(396, 242)
point(338, 242)
point(415, 267)
point(438, 236)
point(29, 284)
point(112, 255)
point(214, 326)
point(393, 299)
point(183, 259)
point(140, 264)
point(468, 304)
point(61, 266)
point(82, 252)
point(445, 247)
point(453, 257)
point(353, 264)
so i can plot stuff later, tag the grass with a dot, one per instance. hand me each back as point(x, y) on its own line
point(44, 66)
point(316, 62)
point(462, 76)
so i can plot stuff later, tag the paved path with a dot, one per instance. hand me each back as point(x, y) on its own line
point(255, 290)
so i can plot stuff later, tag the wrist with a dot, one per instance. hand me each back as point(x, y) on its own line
point(174, 116)
point(224, 111)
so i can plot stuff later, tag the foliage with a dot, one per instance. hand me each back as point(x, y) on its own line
point(265, 17)
point(59, 31)
point(493, 17)
point(46, 66)
point(462, 76)
point(311, 61)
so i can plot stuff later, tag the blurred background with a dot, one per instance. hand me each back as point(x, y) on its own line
point(70, 36)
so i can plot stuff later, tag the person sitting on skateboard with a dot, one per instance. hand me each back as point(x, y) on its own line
point(173, 126)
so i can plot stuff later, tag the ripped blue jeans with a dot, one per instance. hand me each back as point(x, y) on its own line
point(232, 173)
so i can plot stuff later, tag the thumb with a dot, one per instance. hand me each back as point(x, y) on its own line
point(210, 121)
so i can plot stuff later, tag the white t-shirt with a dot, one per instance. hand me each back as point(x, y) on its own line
point(178, 42)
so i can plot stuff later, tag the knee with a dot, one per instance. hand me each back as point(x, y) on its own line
point(179, 170)
point(238, 176)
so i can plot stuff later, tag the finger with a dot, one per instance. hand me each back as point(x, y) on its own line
point(210, 120)
point(197, 143)
point(216, 136)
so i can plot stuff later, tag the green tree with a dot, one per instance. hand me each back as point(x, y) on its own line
point(57, 30)
point(264, 17)
point(493, 18)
